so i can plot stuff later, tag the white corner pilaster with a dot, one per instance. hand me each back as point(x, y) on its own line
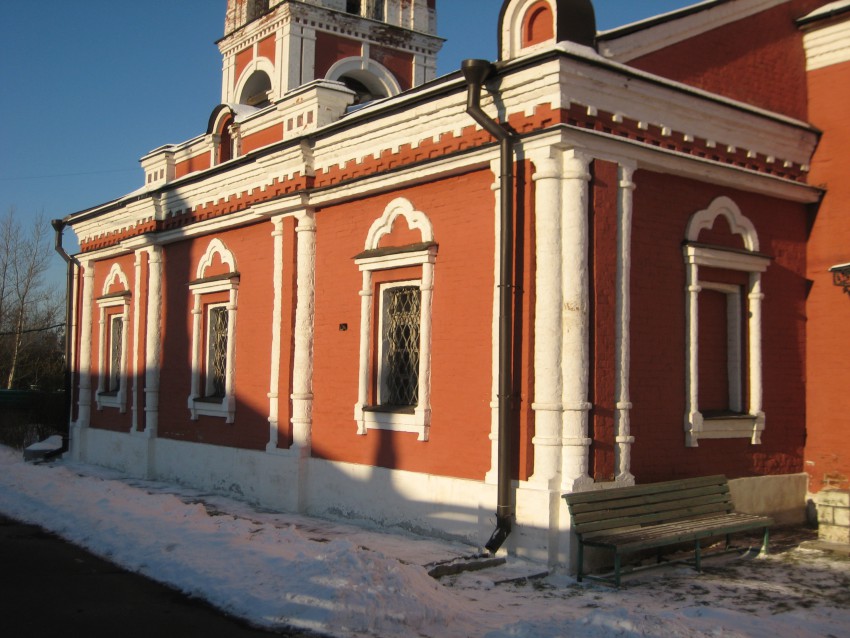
point(84, 411)
point(274, 373)
point(755, 298)
point(153, 340)
point(575, 362)
point(623, 404)
point(302, 374)
point(548, 338)
point(492, 475)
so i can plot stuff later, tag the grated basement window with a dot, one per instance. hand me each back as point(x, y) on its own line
point(402, 349)
point(217, 356)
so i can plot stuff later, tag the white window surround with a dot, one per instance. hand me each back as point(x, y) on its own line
point(105, 398)
point(374, 259)
point(748, 424)
point(229, 282)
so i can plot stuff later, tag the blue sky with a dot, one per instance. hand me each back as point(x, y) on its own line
point(90, 86)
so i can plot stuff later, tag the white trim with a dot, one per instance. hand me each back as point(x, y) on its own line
point(258, 64)
point(104, 397)
point(153, 340)
point(367, 71)
point(419, 421)
point(197, 404)
point(827, 44)
point(751, 424)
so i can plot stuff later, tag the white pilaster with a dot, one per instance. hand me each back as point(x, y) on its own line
point(576, 322)
point(623, 405)
point(137, 287)
point(274, 373)
point(548, 383)
point(693, 417)
point(153, 340)
point(365, 334)
point(302, 368)
point(755, 298)
point(84, 412)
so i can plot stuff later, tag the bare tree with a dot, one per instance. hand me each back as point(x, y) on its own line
point(29, 310)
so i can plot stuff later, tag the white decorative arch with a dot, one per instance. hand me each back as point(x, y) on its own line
point(365, 70)
point(216, 246)
point(740, 225)
point(399, 207)
point(257, 64)
point(512, 28)
point(115, 273)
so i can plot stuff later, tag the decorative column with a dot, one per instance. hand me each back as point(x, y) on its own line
point(274, 374)
point(548, 342)
point(423, 406)
point(137, 287)
point(755, 298)
point(302, 366)
point(693, 417)
point(365, 333)
point(153, 340)
point(492, 475)
point(575, 366)
point(623, 405)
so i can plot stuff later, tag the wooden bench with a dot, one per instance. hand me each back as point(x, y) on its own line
point(625, 520)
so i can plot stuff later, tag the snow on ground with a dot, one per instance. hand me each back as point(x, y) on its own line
point(278, 570)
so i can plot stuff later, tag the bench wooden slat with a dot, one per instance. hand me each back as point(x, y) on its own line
point(649, 518)
point(679, 508)
point(649, 488)
point(614, 501)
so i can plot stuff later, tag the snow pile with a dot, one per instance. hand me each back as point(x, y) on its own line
point(279, 570)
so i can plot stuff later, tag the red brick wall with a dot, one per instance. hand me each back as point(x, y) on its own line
point(331, 49)
point(663, 205)
point(604, 308)
point(763, 53)
point(828, 402)
point(253, 250)
point(462, 212)
point(111, 418)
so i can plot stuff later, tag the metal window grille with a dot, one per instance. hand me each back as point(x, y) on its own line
point(403, 313)
point(116, 327)
point(217, 355)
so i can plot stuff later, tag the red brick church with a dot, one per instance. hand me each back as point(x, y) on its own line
point(439, 303)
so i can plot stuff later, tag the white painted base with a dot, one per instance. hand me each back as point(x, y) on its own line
point(442, 507)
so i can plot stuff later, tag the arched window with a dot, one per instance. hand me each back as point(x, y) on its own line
point(256, 90)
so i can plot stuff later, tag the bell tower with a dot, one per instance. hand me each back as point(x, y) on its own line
point(377, 48)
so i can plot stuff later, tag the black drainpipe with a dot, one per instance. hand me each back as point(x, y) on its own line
point(59, 227)
point(476, 72)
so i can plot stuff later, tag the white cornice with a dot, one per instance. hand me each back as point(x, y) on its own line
point(636, 44)
point(828, 44)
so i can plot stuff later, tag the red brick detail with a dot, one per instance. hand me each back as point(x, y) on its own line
point(604, 317)
point(243, 59)
point(192, 165)
point(538, 24)
point(331, 48)
point(399, 63)
point(266, 48)
point(262, 138)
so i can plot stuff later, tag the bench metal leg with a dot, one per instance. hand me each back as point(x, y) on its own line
point(697, 555)
point(580, 559)
point(766, 540)
point(617, 569)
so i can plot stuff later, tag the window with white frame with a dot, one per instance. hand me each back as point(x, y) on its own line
point(394, 391)
point(723, 307)
point(213, 336)
point(401, 314)
point(112, 360)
